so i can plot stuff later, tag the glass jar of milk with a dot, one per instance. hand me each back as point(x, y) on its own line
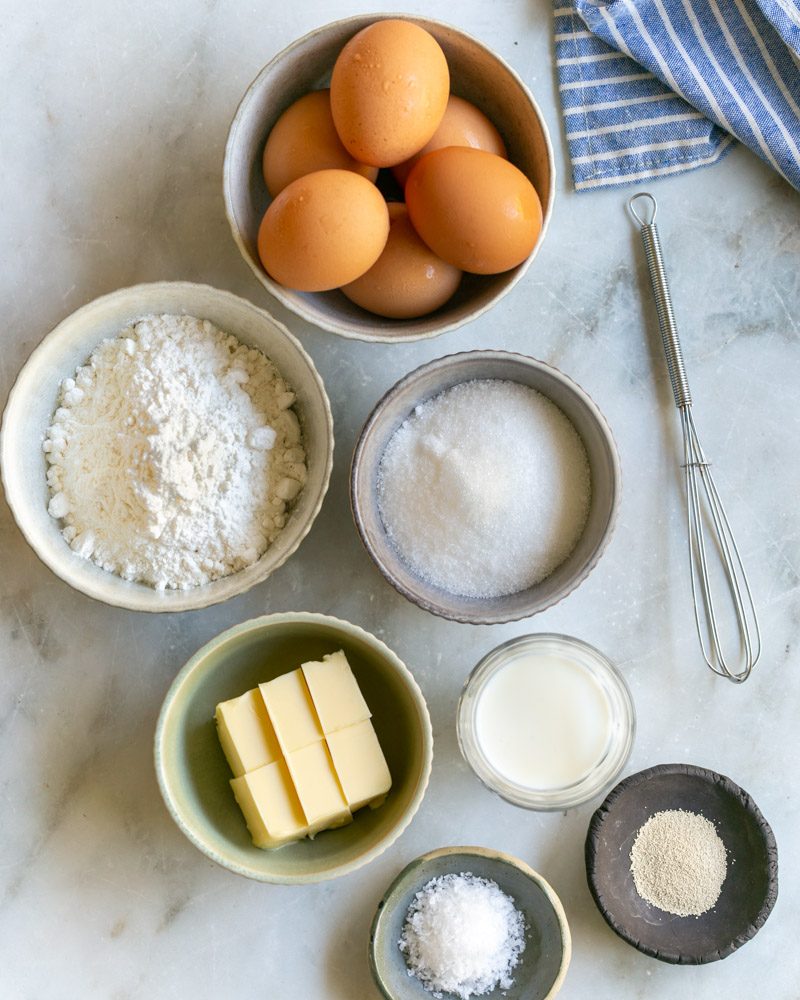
point(546, 721)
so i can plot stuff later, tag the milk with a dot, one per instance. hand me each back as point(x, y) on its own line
point(542, 721)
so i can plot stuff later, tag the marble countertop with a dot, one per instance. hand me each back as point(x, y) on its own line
point(112, 124)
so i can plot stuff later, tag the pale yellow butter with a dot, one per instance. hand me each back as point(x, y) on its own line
point(317, 786)
point(360, 765)
point(270, 805)
point(335, 692)
point(245, 732)
point(291, 711)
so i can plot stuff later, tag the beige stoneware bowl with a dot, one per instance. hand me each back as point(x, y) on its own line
point(33, 399)
point(476, 74)
point(194, 776)
point(433, 378)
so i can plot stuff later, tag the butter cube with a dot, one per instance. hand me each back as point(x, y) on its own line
point(245, 732)
point(270, 805)
point(360, 765)
point(318, 788)
point(291, 711)
point(335, 692)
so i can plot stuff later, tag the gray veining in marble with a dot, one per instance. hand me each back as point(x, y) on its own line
point(112, 127)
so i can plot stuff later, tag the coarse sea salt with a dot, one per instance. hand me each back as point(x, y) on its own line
point(484, 490)
point(463, 936)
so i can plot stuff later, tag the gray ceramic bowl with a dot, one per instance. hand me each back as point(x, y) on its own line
point(476, 73)
point(194, 776)
point(33, 399)
point(433, 378)
point(544, 962)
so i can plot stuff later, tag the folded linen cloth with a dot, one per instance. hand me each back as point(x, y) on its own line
point(656, 87)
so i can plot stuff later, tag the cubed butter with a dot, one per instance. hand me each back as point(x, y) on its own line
point(270, 805)
point(318, 788)
point(360, 765)
point(335, 692)
point(291, 711)
point(245, 732)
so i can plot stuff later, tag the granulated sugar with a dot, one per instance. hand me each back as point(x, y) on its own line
point(484, 489)
point(679, 863)
point(173, 454)
point(462, 936)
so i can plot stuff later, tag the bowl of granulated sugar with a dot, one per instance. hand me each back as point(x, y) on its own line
point(485, 485)
point(166, 447)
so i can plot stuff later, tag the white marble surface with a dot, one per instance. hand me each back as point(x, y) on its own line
point(112, 126)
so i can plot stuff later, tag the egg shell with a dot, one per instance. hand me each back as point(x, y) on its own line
point(474, 209)
point(304, 139)
point(462, 125)
point(323, 230)
point(389, 91)
point(408, 279)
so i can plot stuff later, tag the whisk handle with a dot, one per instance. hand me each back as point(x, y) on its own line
point(666, 317)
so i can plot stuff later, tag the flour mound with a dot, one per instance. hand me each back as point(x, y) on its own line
point(173, 454)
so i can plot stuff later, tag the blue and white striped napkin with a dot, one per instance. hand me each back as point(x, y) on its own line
point(657, 87)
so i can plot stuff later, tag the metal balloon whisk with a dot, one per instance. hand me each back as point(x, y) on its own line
point(705, 508)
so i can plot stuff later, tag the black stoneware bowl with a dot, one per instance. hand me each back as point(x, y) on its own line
point(750, 888)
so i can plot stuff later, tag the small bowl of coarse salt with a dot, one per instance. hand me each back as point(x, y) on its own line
point(469, 921)
point(484, 485)
point(166, 447)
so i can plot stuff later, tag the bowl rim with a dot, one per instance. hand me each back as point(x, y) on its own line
point(490, 355)
point(471, 852)
point(140, 599)
point(256, 624)
point(748, 805)
point(479, 764)
point(343, 328)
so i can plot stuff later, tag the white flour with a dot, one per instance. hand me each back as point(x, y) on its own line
point(173, 453)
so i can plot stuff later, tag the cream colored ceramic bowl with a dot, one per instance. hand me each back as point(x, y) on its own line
point(33, 399)
point(476, 74)
point(194, 776)
point(428, 381)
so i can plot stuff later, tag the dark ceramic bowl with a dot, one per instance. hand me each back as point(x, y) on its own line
point(748, 893)
point(543, 964)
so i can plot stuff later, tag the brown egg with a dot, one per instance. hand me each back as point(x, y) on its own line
point(304, 139)
point(462, 125)
point(324, 230)
point(408, 279)
point(389, 89)
point(474, 209)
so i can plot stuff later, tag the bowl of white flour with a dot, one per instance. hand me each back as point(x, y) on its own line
point(166, 447)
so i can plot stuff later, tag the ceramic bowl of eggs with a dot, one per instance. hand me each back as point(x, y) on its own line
point(388, 178)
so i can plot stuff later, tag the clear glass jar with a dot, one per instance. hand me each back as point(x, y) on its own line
point(621, 722)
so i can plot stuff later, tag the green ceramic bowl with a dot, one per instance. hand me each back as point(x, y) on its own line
point(543, 965)
point(194, 776)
